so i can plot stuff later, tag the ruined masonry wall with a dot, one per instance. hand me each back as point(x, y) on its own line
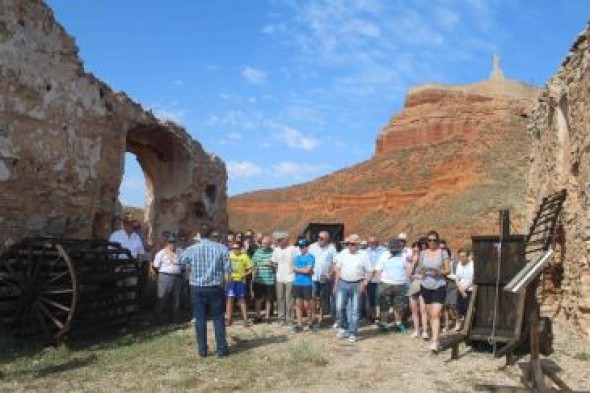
point(63, 136)
point(560, 130)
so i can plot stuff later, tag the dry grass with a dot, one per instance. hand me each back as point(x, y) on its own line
point(263, 358)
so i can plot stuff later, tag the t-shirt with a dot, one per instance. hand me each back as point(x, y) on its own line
point(324, 258)
point(283, 257)
point(465, 275)
point(168, 262)
point(374, 255)
point(301, 262)
point(131, 242)
point(263, 272)
point(239, 264)
point(353, 267)
point(393, 268)
point(432, 266)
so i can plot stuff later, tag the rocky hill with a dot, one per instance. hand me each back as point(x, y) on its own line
point(449, 160)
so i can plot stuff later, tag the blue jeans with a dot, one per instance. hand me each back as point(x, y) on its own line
point(348, 302)
point(209, 301)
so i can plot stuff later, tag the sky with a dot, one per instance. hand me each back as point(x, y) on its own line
point(285, 91)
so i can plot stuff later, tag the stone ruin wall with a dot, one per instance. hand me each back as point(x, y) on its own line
point(63, 137)
point(560, 130)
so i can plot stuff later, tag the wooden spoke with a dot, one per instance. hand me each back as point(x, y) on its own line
point(53, 303)
point(55, 291)
point(48, 314)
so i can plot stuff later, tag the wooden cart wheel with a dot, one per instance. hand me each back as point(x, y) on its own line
point(40, 280)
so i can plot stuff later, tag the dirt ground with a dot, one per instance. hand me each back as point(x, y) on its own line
point(272, 358)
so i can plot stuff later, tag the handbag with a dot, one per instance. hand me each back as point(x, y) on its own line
point(415, 287)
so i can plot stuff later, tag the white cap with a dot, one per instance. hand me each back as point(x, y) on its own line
point(402, 236)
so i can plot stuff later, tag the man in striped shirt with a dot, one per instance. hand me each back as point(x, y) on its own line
point(210, 271)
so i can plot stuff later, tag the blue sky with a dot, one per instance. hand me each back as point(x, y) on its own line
point(289, 90)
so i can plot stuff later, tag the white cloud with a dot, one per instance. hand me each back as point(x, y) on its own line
point(234, 136)
point(253, 76)
point(296, 170)
point(295, 139)
point(237, 169)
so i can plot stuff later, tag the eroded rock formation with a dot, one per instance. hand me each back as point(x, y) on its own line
point(449, 160)
point(63, 136)
point(560, 132)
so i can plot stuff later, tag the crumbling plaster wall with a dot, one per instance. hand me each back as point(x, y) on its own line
point(63, 136)
point(560, 129)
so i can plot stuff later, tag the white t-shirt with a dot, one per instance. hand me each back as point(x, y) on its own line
point(131, 242)
point(392, 268)
point(283, 257)
point(464, 275)
point(168, 265)
point(353, 267)
point(324, 258)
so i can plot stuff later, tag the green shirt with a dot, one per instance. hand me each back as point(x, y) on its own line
point(264, 273)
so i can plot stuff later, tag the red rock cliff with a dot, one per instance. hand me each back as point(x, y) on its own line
point(449, 160)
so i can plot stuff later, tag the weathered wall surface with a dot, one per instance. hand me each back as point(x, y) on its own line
point(449, 160)
point(63, 136)
point(559, 158)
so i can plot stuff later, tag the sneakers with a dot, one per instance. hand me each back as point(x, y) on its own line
point(445, 329)
point(425, 335)
point(434, 347)
point(352, 339)
point(297, 329)
point(342, 333)
point(313, 327)
point(458, 326)
point(416, 334)
point(335, 326)
point(399, 327)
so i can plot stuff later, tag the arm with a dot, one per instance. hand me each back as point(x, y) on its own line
point(446, 266)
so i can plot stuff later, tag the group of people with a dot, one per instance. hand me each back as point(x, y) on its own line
point(393, 284)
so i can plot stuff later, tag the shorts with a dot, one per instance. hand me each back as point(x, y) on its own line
point(451, 294)
point(264, 291)
point(236, 289)
point(371, 292)
point(392, 295)
point(301, 292)
point(431, 296)
point(321, 290)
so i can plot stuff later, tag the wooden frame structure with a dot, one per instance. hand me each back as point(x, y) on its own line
point(523, 286)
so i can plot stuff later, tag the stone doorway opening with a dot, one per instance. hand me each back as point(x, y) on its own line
point(167, 165)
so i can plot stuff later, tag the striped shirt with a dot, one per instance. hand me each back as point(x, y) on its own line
point(207, 261)
point(264, 272)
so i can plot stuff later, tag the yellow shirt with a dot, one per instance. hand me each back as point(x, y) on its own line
point(240, 264)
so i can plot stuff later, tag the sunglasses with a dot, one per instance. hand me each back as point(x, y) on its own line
point(323, 238)
point(352, 244)
point(432, 240)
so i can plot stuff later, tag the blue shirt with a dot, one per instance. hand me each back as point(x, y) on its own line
point(301, 262)
point(207, 261)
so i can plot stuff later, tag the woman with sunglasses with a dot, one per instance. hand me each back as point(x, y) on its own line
point(435, 265)
point(417, 306)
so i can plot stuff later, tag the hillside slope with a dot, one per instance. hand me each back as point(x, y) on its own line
point(449, 160)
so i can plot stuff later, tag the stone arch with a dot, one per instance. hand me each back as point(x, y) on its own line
point(167, 164)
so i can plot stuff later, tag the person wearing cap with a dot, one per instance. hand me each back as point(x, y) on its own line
point(241, 266)
point(324, 253)
point(374, 250)
point(391, 270)
point(169, 268)
point(209, 272)
point(302, 266)
point(128, 238)
point(282, 259)
point(353, 272)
